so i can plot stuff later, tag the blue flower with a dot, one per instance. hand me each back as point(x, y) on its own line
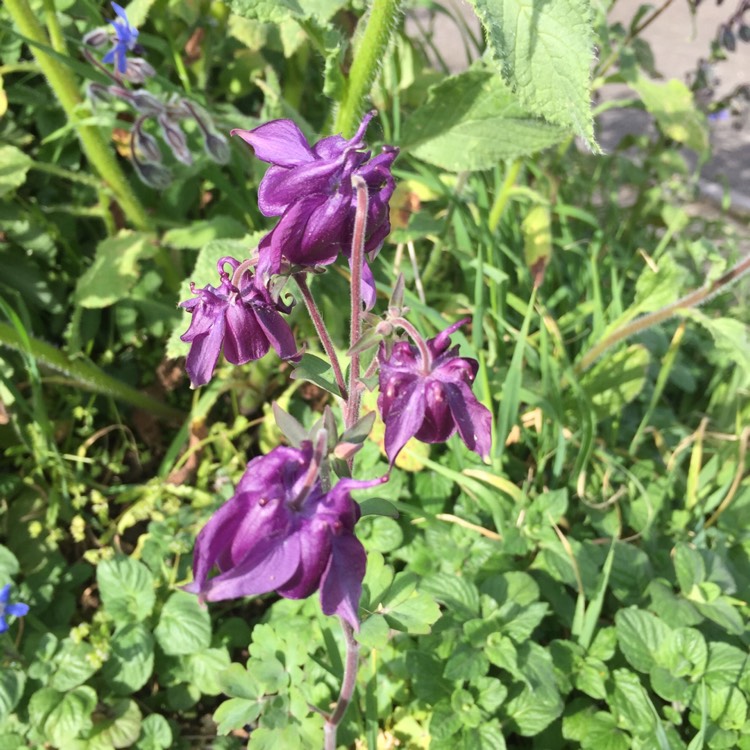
point(17, 610)
point(125, 41)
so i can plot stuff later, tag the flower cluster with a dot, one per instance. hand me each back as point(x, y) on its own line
point(282, 531)
point(286, 529)
point(168, 114)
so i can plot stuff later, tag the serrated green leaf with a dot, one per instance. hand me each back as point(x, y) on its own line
point(456, 593)
point(121, 726)
point(640, 635)
point(12, 682)
point(184, 625)
point(269, 11)
point(115, 269)
point(131, 659)
point(414, 615)
point(127, 589)
point(374, 632)
point(61, 717)
point(156, 734)
point(631, 704)
point(545, 51)
point(473, 121)
point(15, 165)
point(8, 564)
point(75, 664)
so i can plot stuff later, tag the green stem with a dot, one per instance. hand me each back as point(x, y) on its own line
point(502, 198)
point(84, 374)
point(696, 297)
point(54, 29)
point(64, 86)
point(367, 61)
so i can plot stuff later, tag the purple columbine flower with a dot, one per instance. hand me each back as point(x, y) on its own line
point(239, 316)
point(427, 394)
point(17, 610)
point(311, 189)
point(283, 532)
point(126, 38)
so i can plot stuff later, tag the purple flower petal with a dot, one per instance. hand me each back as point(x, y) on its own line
point(279, 142)
point(341, 585)
point(244, 339)
point(17, 610)
point(473, 420)
point(403, 417)
point(204, 354)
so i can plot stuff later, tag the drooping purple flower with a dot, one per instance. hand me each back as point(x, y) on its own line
point(126, 38)
point(431, 400)
point(282, 532)
point(16, 610)
point(240, 317)
point(311, 189)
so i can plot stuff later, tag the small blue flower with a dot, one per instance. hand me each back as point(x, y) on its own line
point(125, 41)
point(17, 610)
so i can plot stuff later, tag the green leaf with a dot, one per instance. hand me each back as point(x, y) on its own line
point(200, 233)
point(12, 682)
point(595, 730)
point(131, 660)
point(639, 635)
point(689, 567)
point(184, 625)
point(674, 109)
point(466, 663)
point(616, 379)
point(15, 165)
point(156, 734)
point(115, 270)
point(414, 615)
point(374, 632)
point(61, 717)
point(237, 682)
point(316, 370)
point(473, 121)
point(76, 662)
point(545, 51)
point(726, 665)
point(205, 668)
point(126, 588)
point(378, 506)
point(456, 593)
point(235, 714)
point(121, 725)
point(8, 564)
point(268, 11)
point(631, 705)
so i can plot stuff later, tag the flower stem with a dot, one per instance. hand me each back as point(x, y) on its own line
point(347, 687)
point(368, 57)
point(351, 413)
point(696, 297)
point(65, 88)
point(322, 331)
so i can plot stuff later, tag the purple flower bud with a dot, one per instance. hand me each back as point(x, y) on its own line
point(240, 317)
point(96, 38)
point(311, 189)
point(176, 139)
point(217, 147)
point(431, 400)
point(137, 70)
point(282, 532)
point(147, 103)
point(98, 92)
point(16, 610)
point(144, 144)
point(153, 174)
point(126, 38)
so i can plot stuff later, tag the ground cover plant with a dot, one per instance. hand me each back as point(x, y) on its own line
point(347, 400)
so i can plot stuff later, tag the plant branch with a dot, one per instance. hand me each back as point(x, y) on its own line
point(355, 331)
point(347, 687)
point(322, 331)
